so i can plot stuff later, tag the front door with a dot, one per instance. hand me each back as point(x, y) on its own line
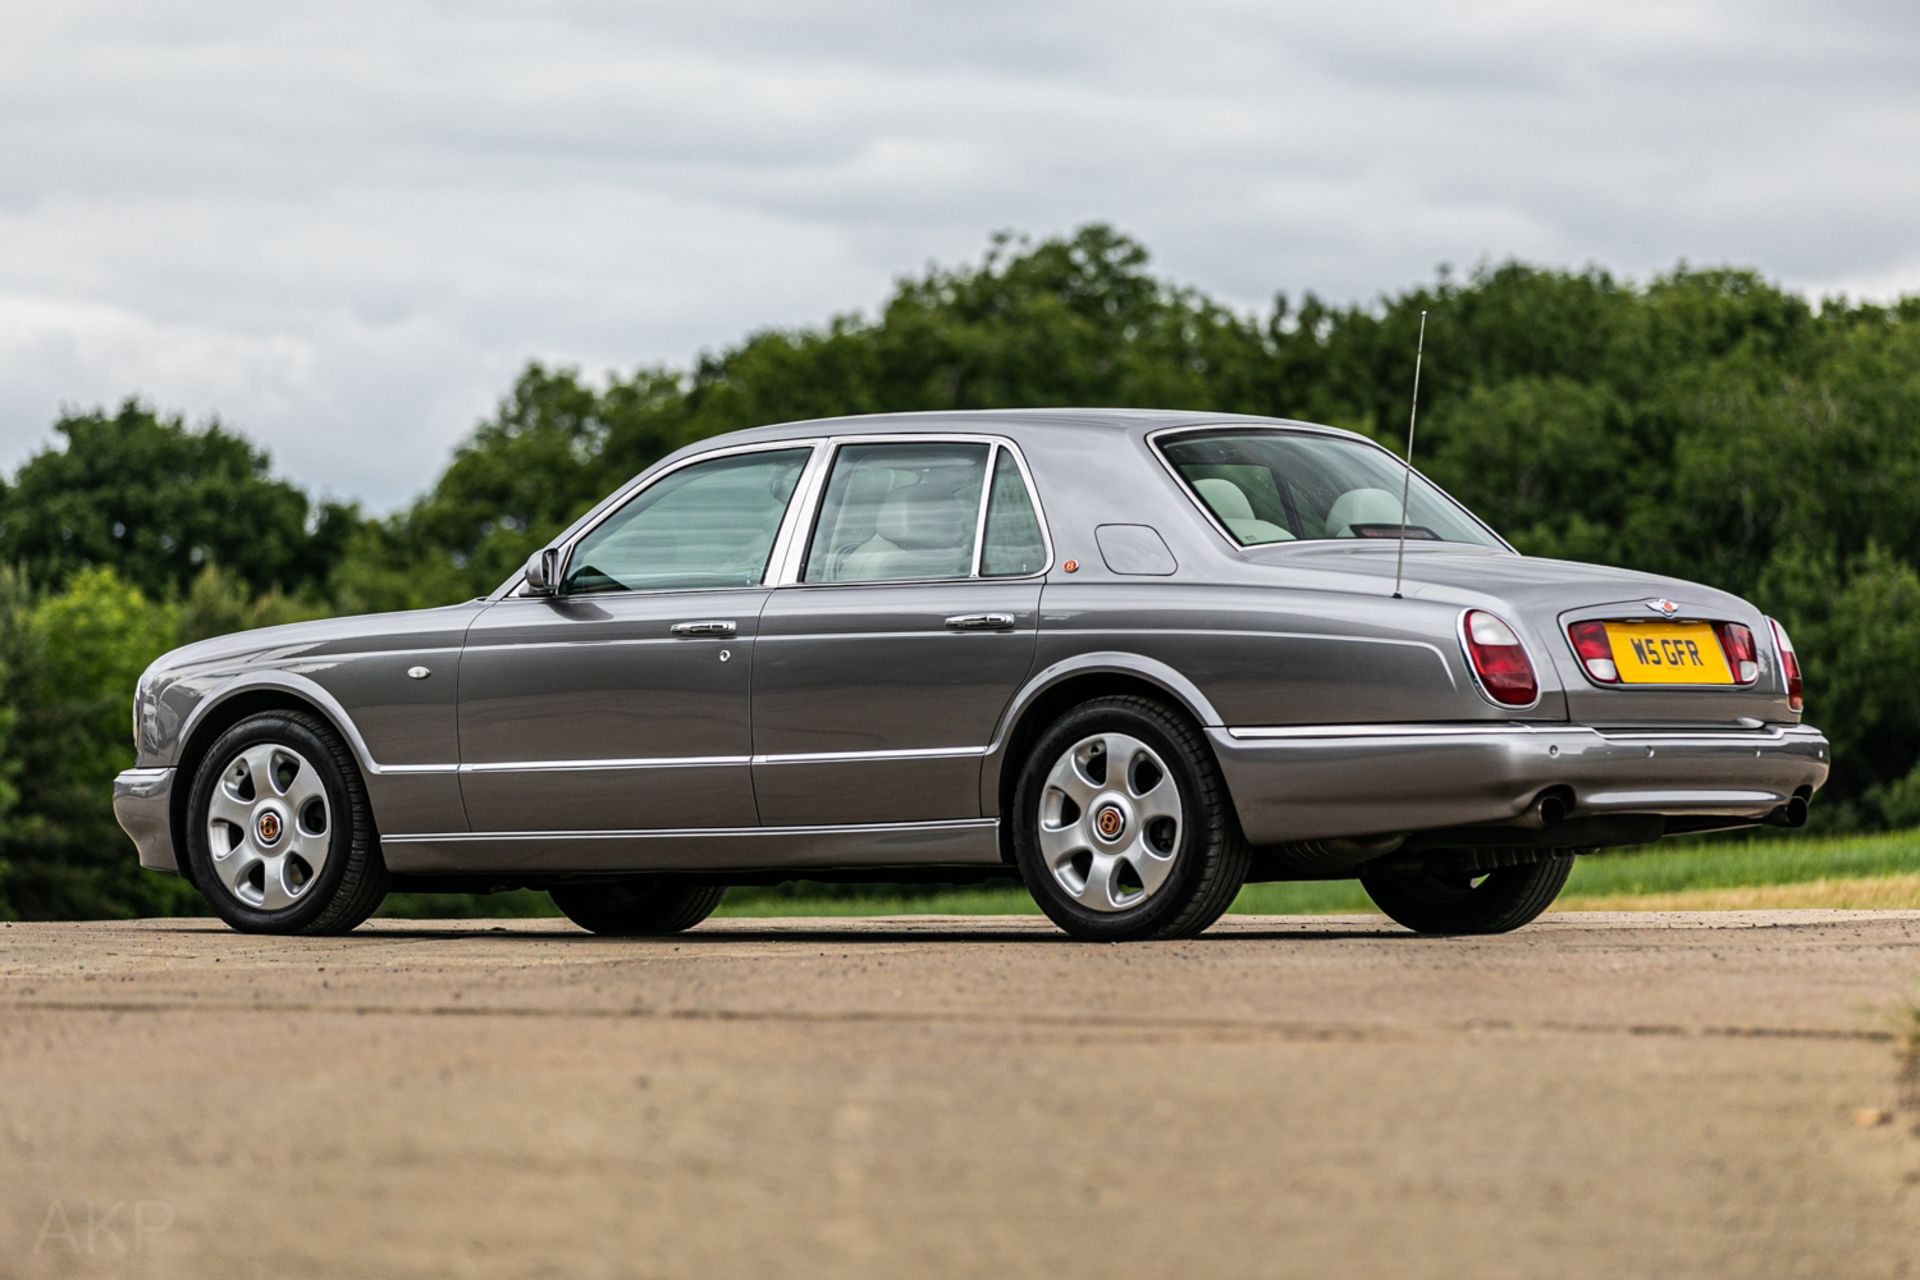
point(880, 675)
point(621, 703)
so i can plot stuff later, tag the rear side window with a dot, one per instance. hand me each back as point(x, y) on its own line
point(913, 512)
point(1013, 545)
point(899, 513)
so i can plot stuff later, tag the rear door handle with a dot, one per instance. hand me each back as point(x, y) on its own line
point(980, 622)
point(707, 627)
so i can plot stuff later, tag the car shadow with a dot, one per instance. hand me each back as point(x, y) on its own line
point(857, 931)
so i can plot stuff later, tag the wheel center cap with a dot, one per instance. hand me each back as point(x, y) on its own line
point(269, 827)
point(1110, 822)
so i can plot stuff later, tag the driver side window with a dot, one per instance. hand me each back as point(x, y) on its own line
point(708, 525)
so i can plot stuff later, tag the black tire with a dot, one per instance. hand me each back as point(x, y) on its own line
point(637, 908)
point(353, 880)
point(1501, 902)
point(1210, 857)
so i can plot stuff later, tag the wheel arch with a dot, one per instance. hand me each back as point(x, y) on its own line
point(220, 711)
point(1052, 691)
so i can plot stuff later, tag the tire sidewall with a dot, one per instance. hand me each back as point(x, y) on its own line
point(319, 753)
point(1070, 729)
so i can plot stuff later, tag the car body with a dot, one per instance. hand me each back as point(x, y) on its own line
point(647, 699)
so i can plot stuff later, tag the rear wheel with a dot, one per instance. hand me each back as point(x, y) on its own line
point(638, 908)
point(1496, 902)
point(1122, 825)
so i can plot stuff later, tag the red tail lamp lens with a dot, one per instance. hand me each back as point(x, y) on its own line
point(1742, 656)
point(1595, 652)
point(1789, 666)
point(1499, 660)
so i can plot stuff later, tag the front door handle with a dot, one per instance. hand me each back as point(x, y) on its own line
point(708, 627)
point(980, 622)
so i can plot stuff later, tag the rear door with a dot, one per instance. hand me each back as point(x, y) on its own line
point(905, 627)
point(622, 702)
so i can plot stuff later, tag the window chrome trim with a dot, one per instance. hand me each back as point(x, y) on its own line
point(980, 510)
point(1154, 438)
point(796, 562)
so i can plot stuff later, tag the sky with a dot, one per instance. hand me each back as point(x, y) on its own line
point(344, 228)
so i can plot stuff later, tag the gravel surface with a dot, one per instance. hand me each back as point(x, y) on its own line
point(1597, 1095)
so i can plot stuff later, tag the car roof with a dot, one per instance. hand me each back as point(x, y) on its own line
point(1013, 423)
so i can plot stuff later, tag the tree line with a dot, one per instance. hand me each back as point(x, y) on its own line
point(1706, 424)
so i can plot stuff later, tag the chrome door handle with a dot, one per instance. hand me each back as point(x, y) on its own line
point(709, 627)
point(980, 622)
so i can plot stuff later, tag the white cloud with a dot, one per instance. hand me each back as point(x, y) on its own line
point(345, 227)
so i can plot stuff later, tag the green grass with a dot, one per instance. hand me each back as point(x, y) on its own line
point(1674, 866)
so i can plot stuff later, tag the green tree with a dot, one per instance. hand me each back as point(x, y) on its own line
point(159, 501)
point(71, 660)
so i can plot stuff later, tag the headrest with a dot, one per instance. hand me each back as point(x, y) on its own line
point(1225, 497)
point(920, 517)
point(1361, 506)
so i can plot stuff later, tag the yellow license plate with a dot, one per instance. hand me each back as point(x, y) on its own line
point(1668, 653)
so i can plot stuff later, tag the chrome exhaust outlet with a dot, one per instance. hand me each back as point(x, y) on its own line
point(1548, 810)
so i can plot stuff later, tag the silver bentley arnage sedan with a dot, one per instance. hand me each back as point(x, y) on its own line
point(1134, 658)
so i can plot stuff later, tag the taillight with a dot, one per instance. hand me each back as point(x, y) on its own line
point(1499, 659)
point(1789, 666)
point(1590, 643)
point(1742, 656)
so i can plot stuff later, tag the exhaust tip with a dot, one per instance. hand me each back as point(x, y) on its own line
point(1548, 810)
point(1791, 815)
point(1552, 809)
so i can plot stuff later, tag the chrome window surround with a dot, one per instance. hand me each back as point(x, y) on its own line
point(1303, 429)
point(796, 527)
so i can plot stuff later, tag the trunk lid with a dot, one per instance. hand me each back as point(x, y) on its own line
point(1541, 598)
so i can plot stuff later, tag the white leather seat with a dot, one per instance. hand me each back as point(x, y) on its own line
point(919, 532)
point(1229, 503)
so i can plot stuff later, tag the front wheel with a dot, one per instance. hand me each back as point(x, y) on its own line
point(1123, 827)
point(280, 836)
point(1497, 902)
point(638, 908)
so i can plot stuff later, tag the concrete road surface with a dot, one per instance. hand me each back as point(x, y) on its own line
point(1598, 1095)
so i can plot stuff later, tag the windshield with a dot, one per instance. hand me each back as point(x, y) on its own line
point(1267, 486)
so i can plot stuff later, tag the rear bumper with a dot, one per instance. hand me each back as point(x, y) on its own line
point(143, 805)
point(1326, 781)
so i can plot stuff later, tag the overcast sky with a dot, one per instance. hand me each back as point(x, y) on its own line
point(344, 227)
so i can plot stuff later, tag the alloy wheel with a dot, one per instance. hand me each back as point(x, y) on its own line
point(269, 826)
point(1110, 822)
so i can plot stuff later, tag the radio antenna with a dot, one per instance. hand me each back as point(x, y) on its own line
point(1406, 481)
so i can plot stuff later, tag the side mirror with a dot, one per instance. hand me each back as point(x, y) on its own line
point(543, 570)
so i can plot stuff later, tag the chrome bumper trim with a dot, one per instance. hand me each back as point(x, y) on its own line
point(1268, 733)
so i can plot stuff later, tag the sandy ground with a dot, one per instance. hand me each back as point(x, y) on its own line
point(1631, 1095)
